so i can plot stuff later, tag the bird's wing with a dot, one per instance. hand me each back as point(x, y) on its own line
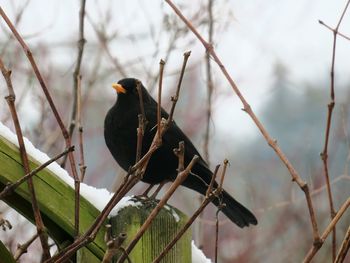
point(173, 136)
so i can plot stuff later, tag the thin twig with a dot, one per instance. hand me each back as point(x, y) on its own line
point(159, 106)
point(80, 45)
point(64, 131)
point(209, 81)
point(179, 179)
point(140, 133)
point(246, 107)
point(180, 153)
point(344, 248)
point(199, 227)
point(113, 244)
point(312, 252)
point(22, 249)
point(82, 165)
point(24, 158)
point(339, 34)
point(11, 187)
point(176, 97)
point(142, 122)
point(217, 234)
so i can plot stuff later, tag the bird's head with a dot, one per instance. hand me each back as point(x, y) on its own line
point(127, 89)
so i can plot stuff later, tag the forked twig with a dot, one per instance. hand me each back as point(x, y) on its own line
point(113, 244)
point(22, 249)
point(80, 45)
point(312, 252)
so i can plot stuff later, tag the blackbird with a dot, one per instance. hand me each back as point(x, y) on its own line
point(120, 127)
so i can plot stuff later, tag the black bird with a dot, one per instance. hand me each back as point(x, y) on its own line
point(120, 127)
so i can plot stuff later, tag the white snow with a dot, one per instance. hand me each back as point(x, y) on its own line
point(99, 197)
point(173, 212)
point(198, 255)
point(126, 201)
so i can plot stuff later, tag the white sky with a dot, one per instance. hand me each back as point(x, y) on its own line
point(259, 35)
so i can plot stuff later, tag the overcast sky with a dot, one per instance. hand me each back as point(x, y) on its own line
point(259, 35)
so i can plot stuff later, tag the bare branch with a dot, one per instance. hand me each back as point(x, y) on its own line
point(22, 249)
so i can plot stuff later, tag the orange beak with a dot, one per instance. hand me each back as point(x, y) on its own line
point(119, 88)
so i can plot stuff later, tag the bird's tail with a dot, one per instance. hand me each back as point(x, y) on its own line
point(235, 211)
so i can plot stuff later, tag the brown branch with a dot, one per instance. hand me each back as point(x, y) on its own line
point(338, 33)
point(24, 158)
point(80, 44)
point(344, 248)
point(142, 122)
point(64, 131)
point(180, 153)
point(246, 107)
point(219, 190)
point(176, 97)
point(22, 249)
point(82, 165)
point(140, 133)
point(209, 81)
point(11, 187)
point(159, 106)
point(113, 244)
point(327, 231)
point(178, 181)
